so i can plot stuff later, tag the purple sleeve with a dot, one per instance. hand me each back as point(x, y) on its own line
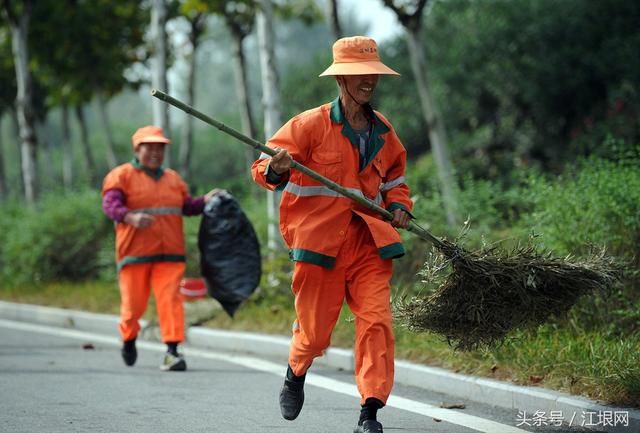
point(113, 205)
point(193, 206)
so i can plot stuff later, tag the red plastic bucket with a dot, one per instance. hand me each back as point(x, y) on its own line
point(193, 288)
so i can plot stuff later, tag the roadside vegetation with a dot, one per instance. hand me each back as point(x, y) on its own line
point(541, 103)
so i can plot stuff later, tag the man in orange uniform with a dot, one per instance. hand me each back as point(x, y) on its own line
point(147, 202)
point(341, 249)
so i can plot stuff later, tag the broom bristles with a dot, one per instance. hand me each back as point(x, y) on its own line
point(489, 293)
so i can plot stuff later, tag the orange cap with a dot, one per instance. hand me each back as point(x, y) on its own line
point(148, 134)
point(357, 55)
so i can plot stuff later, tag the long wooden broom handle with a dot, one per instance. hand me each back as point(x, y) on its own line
point(413, 227)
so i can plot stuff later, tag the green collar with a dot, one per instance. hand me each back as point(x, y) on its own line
point(155, 174)
point(375, 140)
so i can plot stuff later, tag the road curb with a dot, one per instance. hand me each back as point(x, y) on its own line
point(527, 399)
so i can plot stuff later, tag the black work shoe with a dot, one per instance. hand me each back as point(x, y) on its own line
point(129, 352)
point(368, 426)
point(291, 399)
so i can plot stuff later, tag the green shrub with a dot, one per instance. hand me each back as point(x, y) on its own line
point(596, 203)
point(59, 239)
point(9, 216)
point(106, 259)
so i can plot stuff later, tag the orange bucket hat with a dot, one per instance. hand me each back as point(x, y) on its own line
point(357, 55)
point(148, 134)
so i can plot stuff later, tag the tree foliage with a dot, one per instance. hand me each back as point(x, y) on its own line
point(88, 47)
point(523, 79)
point(7, 71)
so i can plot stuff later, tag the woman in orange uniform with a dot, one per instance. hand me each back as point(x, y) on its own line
point(147, 202)
point(342, 251)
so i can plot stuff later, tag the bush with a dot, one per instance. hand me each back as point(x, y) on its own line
point(66, 237)
point(9, 216)
point(597, 203)
point(61, 238)
point(594, 204)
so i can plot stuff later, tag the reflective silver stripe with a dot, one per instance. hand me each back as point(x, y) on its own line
point(159, 210)
point(378, 199)
point(264, 156)
point(310, 191)
point(392, 184)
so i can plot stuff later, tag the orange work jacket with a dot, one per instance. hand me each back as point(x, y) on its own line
point(161, 195)
point(313, 218)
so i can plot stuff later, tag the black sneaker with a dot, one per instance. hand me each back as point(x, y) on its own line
point(291, 399)
point(368, 426)
point(129, 352)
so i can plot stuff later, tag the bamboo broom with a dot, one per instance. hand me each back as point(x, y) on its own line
point(486, 293)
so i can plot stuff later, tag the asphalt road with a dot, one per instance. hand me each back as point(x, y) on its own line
point(60, 380)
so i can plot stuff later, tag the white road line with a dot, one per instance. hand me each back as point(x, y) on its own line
point(453, 417)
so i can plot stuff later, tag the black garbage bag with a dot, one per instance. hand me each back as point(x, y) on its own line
point(229, 252)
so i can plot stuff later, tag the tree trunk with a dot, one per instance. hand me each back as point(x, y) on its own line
point(112, 160)
point(271, 106)
point(412, 23)
point(4, 192)
point(435, 125)
point(186, 146)
point(15, 130)
point(24, 103)
point(242, 91)
point(67, 152)
point(159, 69)
point(86, 147)
point(334, 21)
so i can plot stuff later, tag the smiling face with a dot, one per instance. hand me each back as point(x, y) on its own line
point(359, 87)
point(151, 155)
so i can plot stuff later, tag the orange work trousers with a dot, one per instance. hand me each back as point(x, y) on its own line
point(136, 281)
point(361, 278)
